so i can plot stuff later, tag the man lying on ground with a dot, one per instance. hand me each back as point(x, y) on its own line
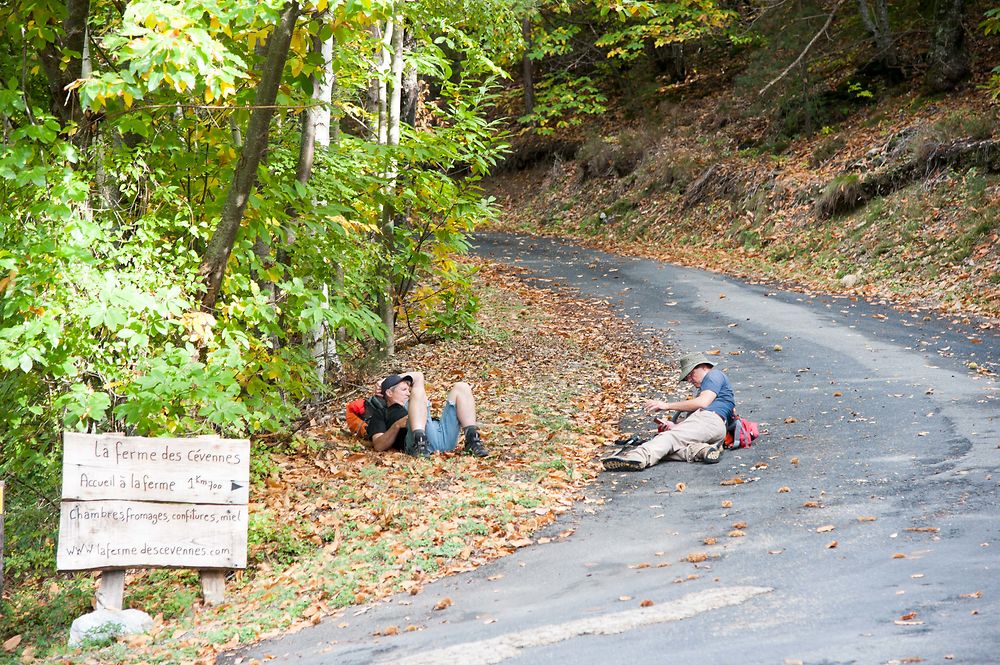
point(403, 423)
point(697, 438)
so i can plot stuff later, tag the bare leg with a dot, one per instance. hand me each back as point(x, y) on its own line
point(417, 407)
point(465, 403)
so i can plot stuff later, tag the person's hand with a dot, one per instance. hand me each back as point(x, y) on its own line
point(401, 423)
point(663, 425)
point(655, 405)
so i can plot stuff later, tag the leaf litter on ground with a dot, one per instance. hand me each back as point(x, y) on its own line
point(552, 376)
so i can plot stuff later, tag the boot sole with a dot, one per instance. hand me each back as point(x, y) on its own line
point(618, 464)
point(713, 457)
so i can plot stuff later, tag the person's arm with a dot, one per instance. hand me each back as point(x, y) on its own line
point(383, 440)
point(704, 398)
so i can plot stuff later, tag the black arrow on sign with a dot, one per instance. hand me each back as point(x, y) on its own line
point(236, 485)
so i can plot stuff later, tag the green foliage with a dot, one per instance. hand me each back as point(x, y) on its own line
point(638, 24)
point(105, 218)
point(991, 26)
point(583, 47)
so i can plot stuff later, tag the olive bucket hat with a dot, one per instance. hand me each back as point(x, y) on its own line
point(692, 360)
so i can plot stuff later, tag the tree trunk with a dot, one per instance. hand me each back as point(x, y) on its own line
point(213, 265)
point(411, 85)
point(63, 62)
point(390, 110)
point(876, 20)
point(324, 349)
point(948, 56)
point(527, 68)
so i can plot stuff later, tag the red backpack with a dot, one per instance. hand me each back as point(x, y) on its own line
point(360, 412)
point(741, 433)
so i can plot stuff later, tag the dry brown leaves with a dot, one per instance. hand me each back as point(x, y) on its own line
point(551, 375)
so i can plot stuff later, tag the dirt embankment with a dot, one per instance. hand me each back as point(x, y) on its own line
point(901, 202)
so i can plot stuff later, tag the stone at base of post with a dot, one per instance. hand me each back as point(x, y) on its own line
point(111, 590)
point(213, 586)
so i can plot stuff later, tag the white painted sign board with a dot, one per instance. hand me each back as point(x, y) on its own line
point(136, 502)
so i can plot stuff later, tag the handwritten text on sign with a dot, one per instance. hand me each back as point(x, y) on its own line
point(153, 502)
point(149, 469)
point(138, 534)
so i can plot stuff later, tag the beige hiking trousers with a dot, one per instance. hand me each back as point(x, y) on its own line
point(686, 442)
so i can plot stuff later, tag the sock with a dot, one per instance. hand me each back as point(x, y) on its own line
point(471, 433)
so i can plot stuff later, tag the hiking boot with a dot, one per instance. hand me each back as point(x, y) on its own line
point(420, 447)
point(620, 463)
point(474, 446)
point(712, 455)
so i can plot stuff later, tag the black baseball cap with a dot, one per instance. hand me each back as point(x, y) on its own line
point(395, 379)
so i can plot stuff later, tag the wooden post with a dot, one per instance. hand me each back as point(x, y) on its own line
point(1, 538)
point(111, 590)
point(213, 586)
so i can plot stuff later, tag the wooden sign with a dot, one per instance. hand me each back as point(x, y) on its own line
point(199, 470)
point(135, 502)
point(139, 534)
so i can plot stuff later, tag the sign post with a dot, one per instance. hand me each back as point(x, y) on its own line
point(137, 502)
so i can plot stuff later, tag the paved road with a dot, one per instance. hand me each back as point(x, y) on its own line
point(891, 425)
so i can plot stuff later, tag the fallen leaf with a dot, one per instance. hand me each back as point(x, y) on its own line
point(825, 528)
point(680, 487)
point(794, 460)
point(976, 594)
point(412, 629)
point(777, 347)
point(784, 490)
point(811, 504)
point(639, 566)
point(442, 604)
point(697, 557)
point(709, 541)
point(391, 630)
point(909, 616)
point(831, 545)
point(28, 655)
point(736, 480)
point(12, 643)
point(646, 603)
point(624, 598)
point(898, 555)
point(789, 420)
point(736, 534)
point(740, 525)
point(727, 504)
point(924, 529)
point(866, 518)
point(838, 394)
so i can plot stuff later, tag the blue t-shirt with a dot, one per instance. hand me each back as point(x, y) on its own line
point(725, 402)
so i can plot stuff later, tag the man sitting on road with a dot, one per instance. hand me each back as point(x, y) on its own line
point(403, 423)
point(699, 437)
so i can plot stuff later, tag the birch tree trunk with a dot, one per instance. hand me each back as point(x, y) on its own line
point(213, 265)
point(389, 115)
point(318, 116)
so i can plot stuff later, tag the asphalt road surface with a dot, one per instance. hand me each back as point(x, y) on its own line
point(869, 515)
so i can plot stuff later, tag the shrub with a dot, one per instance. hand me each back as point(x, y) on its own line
point(841, 194)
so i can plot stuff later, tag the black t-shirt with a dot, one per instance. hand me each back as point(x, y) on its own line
point(382, 419)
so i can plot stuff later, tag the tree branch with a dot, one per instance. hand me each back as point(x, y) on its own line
point(829, 20)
